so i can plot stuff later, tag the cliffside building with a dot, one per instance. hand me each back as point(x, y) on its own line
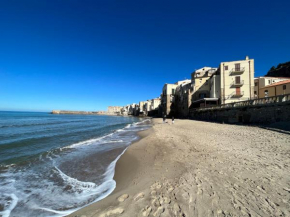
point(168, 97)
point(183, 99)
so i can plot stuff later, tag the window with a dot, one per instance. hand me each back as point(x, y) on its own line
point(173, 91)
point(237, 66)
point(255, 92)
point(284, 87)
point(256, 84)
point(266, 93)
point(237, 80)
point(226, 67)
point(269, 81)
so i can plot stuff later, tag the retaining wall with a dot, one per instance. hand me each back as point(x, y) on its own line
point(260, 114)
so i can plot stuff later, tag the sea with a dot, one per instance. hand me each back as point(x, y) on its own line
point(53, 165)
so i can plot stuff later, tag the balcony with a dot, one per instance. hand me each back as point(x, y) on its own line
point(237, 71)
point(237, 94)
point(237, 84)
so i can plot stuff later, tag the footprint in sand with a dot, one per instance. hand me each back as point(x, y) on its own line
point(146, 211)
point(139, 196)
point(170, 189)
point(156, 186)
point(159, 211)
point(123, 197)
point(114, 211)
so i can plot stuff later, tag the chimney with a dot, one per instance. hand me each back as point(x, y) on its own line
point(247, 57)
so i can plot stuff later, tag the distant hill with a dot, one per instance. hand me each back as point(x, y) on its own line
point(282, 70)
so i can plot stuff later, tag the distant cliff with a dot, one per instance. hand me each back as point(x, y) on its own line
point(282, 70)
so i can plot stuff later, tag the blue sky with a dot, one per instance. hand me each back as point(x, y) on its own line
point(86, 55)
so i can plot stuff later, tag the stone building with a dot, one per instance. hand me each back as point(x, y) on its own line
point(155, 103)
point(168, 98)
point(147, 107)
point(200, 82)
point(231, 82)
point(261, 82)
point(141, 107)
point(275, 89)
point(183, 99)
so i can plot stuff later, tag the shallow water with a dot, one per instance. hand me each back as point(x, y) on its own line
point(52, 165)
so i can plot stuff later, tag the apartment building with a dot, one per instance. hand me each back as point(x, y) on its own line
point(275, 89)
point(261, 82)
point(155, 103)
point(200, 82)
point(147, 107)
point(183, 99)
point(141, 106)
point(168, 97)
point(237, 80)
point(230, 82)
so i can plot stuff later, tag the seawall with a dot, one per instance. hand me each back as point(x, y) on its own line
point(255, 114)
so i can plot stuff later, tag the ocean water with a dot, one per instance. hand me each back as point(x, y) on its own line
point(52, 165)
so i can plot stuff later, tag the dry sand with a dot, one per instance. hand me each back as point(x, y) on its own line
point(202, 169)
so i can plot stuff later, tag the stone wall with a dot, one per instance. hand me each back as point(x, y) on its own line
point(258, 114)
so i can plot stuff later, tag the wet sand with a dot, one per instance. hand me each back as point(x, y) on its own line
point(196, 168)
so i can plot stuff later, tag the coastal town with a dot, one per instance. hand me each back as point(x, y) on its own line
point(208, 168)
point(209, 87)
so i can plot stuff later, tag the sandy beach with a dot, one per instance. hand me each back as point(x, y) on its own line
point(193, 168)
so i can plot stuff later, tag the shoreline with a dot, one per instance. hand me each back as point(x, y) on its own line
point(194, 168)
point(126, 168)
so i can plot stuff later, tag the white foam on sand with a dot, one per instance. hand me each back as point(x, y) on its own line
point(10, 203)
point(107, 186)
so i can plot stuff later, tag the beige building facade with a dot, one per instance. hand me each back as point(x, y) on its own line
point(167, 98)
point(261, 82)
point(114, 109)
point(183, 99)
point(231, 82)
point(236, 80)
point(275, 89)
point(155, 103)
point(200, 82)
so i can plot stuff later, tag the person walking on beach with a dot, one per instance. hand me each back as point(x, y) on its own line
point(164, 118)
point(172, 119)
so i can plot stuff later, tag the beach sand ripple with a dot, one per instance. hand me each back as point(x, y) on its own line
point(201, 169)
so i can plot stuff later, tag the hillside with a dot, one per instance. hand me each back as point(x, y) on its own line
point(282, 70)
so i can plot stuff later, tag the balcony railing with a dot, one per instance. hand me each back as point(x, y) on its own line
point(235, 71)
point(236, 84)
point(237, 94)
